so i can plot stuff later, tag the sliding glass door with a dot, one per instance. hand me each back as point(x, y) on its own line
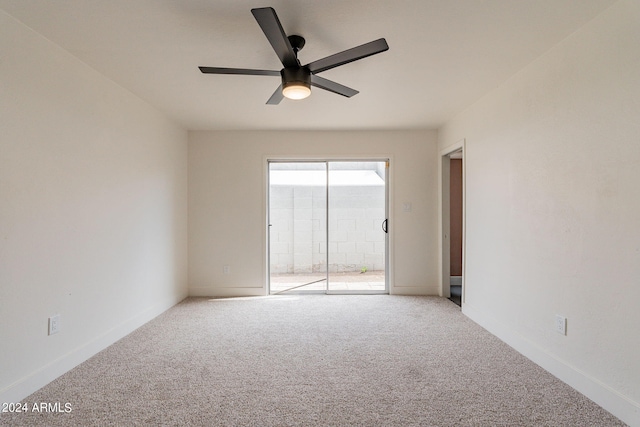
point(327, 227)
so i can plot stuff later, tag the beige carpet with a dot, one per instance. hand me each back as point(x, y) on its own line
point(312, 361)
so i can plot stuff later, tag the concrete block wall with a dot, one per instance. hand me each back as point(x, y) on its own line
point(298, 229)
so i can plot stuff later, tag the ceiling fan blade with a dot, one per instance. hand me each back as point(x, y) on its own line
point(332, 86)
point(276, 97)
point(270, 24)
point(348, 55)
point(242, 71)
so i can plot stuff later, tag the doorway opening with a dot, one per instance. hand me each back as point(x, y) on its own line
point(452, 221)
point(327, 226)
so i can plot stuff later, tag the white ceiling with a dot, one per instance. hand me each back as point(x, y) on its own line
point(443, 55)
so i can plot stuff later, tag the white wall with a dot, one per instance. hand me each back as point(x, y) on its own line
point(93, 216)
point(553, 209)
point(227, 201)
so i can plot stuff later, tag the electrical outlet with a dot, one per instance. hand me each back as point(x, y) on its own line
point(54, 324)
point(226, 269)
point(561, 324)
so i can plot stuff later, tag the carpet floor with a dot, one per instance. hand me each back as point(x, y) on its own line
point(373, 360)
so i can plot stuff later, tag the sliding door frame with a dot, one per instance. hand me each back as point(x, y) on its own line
point(268, 159)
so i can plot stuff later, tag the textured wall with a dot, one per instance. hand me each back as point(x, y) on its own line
point(93, 186)
point(552, 208)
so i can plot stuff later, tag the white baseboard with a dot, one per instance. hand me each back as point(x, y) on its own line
point(32, 382)
point(616, 403)
point(212, 291)
point(413, 290)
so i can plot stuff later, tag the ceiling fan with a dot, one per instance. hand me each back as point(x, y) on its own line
point(297, 79)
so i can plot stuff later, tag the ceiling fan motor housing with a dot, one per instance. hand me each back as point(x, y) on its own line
point(295, 76)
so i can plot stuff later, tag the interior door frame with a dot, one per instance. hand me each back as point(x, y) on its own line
point(444, 215)
point(267, 159)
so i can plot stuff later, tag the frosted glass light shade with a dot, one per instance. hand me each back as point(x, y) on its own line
point(296, 91)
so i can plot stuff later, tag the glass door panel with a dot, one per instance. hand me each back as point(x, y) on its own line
point(297, 227)
point(357, 212)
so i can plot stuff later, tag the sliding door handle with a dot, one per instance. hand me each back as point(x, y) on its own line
point(384, 226)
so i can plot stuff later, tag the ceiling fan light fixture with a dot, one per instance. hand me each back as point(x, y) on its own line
point(296, 83)
point(296, 91)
